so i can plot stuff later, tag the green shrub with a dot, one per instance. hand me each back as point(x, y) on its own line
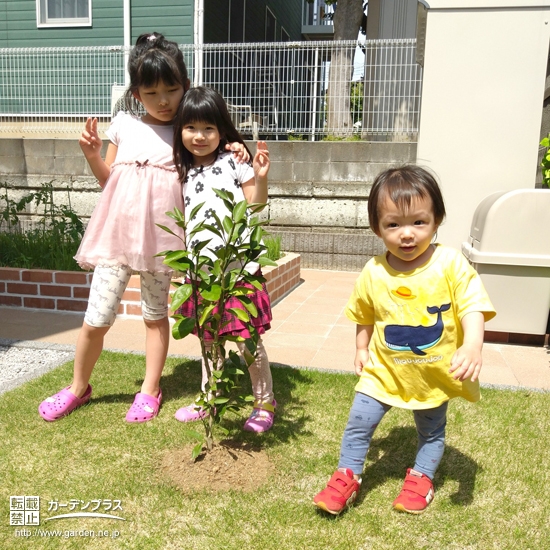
point(273, 245)
point(51, 244)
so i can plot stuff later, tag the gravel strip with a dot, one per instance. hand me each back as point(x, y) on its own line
point(24, 361)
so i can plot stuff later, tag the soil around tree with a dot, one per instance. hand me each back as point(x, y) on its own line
point(229, 465)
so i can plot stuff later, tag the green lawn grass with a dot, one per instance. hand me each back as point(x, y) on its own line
point(491, 488)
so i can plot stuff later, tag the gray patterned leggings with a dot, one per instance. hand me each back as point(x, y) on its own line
point(108, 286)
point(364, 417)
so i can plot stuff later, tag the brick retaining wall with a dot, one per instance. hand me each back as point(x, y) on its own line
point(67, 291)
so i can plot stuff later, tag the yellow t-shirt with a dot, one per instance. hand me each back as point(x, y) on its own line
point(416, 317)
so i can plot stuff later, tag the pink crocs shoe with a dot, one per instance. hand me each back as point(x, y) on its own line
point(144, 408)
point(62, 403)
point(261, 419)
point(191, 413)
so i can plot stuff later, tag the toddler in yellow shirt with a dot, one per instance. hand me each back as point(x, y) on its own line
point(420, 310)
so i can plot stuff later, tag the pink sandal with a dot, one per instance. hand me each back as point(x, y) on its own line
point(191, 413)
point(62, 403)
point(145, 407)
point(261, 419)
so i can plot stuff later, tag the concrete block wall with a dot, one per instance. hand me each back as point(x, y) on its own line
point(318, 190)
point(68, 291)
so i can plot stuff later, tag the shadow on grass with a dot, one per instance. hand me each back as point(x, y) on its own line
point(290, 417)
point(183, 382)
point(392, 455)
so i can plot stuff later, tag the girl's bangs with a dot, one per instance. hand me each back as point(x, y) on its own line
point(199, 112)
point(403, 192)
point(158, 68)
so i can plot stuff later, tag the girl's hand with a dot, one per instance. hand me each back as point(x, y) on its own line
point(261, 160)
point(466, 362)
point(89, 141)
point(239, 152)
point(361, 359)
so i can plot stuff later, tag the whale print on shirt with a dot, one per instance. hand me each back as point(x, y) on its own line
point(416, 338)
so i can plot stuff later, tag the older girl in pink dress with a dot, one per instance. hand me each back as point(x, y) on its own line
point(140, 184)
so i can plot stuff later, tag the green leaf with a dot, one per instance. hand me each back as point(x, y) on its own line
point(221, 400)
point(255, 283)
point(217, 218)
point(231, 338)
point(251, 345)
point(256, 237)
point(197, 449)
point(234, 358)
point(183, 327)
point(545, 142)
point(264, 260)
point(176, 255)
point(199, 246)
point(167, 229)
point(227, 224)
point(249, 305)
point(240, 314)
point(183, 264)
point(226, 195)
point(213, 229)
point(180, 296)
point(240, 211)
point(193, 212)
point(176, 214)
point(206, 313)
point(213, 294)
point(240, 291)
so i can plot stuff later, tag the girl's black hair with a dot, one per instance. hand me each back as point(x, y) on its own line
point(153, 59)
point(403, 185)
point(202, 104)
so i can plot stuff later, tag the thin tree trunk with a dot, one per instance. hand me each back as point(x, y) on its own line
point(347, 21)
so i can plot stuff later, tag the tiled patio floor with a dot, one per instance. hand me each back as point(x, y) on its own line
point(309, 330)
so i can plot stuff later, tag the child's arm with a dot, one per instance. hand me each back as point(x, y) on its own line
point(466, 361)
point(240, 154)
point(255, 190)
point(91, 143)
point(363, 335)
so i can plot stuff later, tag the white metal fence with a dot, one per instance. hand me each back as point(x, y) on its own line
point(277, 90)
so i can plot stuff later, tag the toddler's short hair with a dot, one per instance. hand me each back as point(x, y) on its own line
point(402, 185)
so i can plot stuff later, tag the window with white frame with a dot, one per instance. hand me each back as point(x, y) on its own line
point(64, 13)
point(285, 37)
point(270, 26)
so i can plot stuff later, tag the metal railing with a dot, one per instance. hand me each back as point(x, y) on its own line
point(279, 90)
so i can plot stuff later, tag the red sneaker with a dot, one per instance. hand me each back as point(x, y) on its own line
point(340, 492)
point(417, 493)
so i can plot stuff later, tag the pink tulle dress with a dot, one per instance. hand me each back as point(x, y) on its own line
point(142, 186)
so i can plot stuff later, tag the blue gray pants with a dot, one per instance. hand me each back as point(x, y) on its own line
point(364, 417)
